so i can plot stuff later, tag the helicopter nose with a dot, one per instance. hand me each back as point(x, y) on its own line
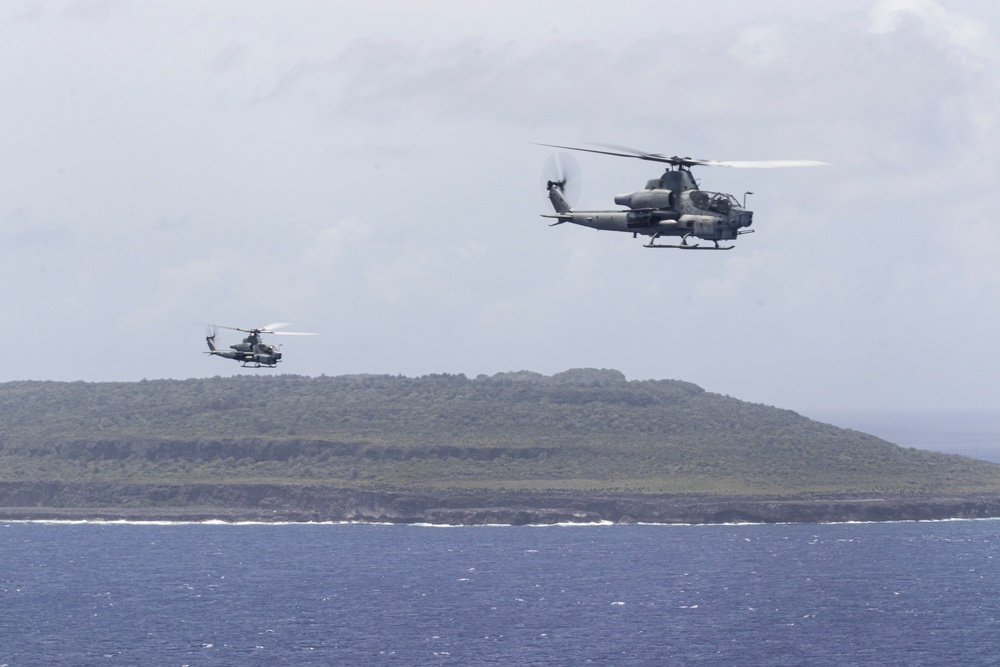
point(746, 218)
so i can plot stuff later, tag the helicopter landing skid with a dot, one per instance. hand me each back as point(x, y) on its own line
point(684, 245)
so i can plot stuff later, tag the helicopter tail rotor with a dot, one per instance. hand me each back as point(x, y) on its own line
point(210, 332)
point(562, 181)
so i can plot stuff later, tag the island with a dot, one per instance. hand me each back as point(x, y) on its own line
point(581, 446)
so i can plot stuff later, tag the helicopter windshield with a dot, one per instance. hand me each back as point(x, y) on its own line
point(718, 202)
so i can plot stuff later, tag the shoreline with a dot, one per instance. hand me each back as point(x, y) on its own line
point(600, 524)
point(200, 503)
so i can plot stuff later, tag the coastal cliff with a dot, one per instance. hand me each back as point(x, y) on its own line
point(581, 446)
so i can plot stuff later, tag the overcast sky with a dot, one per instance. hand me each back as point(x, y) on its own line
point(366, 171)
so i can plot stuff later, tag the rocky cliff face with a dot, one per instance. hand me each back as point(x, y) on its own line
point(279, 502)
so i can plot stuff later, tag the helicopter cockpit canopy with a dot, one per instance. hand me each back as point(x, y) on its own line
point(717, 202)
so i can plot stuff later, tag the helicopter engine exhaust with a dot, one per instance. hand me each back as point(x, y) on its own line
point(658, 199)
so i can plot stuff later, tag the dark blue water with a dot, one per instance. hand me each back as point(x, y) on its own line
point(856, 594)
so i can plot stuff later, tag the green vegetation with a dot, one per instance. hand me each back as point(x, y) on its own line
point(585, 429)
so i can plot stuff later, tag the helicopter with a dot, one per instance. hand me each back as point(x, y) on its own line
point(252, 352)
point(669, 206)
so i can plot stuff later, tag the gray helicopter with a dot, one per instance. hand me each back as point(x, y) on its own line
point(252, 352)
point(669, 206)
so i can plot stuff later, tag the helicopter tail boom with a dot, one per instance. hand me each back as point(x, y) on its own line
point(225, 354)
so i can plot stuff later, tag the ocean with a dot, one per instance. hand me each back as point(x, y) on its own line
point(349, 594)
point(343, 594)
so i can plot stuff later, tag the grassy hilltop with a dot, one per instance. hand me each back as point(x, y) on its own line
point(582, 430)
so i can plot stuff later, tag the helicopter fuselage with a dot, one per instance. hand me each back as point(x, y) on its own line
point(669, 206)
point(250, 353)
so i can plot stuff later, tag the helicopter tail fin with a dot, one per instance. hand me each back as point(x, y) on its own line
point(557, 197)
point(211, 342)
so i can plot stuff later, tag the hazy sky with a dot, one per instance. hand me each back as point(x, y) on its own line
point(366, 171)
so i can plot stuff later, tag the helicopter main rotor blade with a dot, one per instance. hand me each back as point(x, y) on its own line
point(764, 164)
point(736, 164)
point(622, 151)
point(222, 326)
point(652, 157)
point(639, 156)
point(269, 329)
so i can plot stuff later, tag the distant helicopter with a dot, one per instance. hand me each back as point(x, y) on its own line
point(252, 352)
point(671, 205)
